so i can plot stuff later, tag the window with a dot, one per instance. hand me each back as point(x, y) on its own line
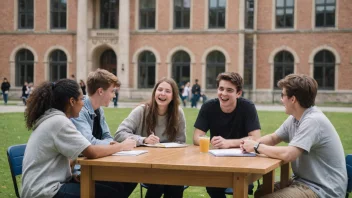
point(58, 14)
point(283, 66)
point(25, 14)
point(147, 14)
point(109, 14)
point(57, 65)
point(181, 67)
point(325, 13)
point(146, 70)
point(248, 62)
point(284, 13)
point(24, 67)
point(324, 69)
point(249, 18)
point(215, 65)
point(217, 13)
point(108, 61)
point(182, 14)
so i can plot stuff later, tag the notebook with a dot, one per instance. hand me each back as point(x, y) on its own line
point(130, 153)
point(167, 145)
point(230, 153)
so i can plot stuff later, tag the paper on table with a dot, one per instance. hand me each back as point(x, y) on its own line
point(130, 153)
point(230, 152)
point(167, 145)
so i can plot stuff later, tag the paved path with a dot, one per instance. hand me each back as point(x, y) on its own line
point(20, 108)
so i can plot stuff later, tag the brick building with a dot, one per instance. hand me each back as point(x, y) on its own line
point(143, 40)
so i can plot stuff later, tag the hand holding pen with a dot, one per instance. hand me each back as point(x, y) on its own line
point(152, 139)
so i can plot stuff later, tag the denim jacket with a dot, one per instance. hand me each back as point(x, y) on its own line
point(84, 124)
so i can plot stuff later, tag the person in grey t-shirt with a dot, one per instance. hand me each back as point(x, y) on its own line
point(314, 150)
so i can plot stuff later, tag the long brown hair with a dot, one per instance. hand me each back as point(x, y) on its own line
point(172, 111)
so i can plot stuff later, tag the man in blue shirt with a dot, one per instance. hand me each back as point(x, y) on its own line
point(91, 121)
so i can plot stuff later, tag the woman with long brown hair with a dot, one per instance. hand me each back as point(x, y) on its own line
point(159, 120)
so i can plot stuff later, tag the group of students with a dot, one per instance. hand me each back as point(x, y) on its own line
point(65, 124)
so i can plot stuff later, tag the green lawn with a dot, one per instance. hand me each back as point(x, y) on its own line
point(13, 131)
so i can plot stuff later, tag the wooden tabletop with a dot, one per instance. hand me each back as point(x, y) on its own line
point(187, 158)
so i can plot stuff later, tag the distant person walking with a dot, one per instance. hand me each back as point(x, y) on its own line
point(5, 88)
point(195, 94)
point(186, 93)
point(25, 90)
point(116, 97)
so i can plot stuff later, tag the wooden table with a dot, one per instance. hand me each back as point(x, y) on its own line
point(182, 166)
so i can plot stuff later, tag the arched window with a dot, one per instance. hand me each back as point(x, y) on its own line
point(215, 65)
point(108, 61)
point(109, 14)
point(283, 66)
point(181, 67)
point(24, 67)
point(57, 65)
point(324, 69)
point(146, 70)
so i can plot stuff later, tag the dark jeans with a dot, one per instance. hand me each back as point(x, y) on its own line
point(194, 100)
point(220, 192)
point(157, 190)
point(102, 189)
point(5, 96)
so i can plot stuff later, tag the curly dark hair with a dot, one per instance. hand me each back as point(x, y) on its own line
point(50, 95)
point(172, 111)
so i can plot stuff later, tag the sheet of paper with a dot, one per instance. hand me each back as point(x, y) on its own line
point(230, 152)
point(130, 153)
point(167, 145)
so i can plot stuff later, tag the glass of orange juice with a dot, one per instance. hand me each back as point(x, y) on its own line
point(204, 142)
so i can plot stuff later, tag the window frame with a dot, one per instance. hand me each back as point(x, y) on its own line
point(325, 4)
point(217, 10)
point(217, 65)
point(146, 65)
point(60, 12)
point(141, 11)
point(284, 65)
point(284, 8)
point(183, 10)
point(58, 64)
point(27, 12)
point(249, 12)
point(111, 11)
point(185, 63)
point(325, 65)
point(23, 63)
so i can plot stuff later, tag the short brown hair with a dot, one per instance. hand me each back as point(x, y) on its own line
point(303, 87)
point(101, 78)
point(233, 77)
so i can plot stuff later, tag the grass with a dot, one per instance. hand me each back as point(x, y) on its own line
point(13, 131)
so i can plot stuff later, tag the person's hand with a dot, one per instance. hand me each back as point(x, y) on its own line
point(248, 145)
point(152, 139)
point(219, 142)
point(128, 144)
point(76, 178)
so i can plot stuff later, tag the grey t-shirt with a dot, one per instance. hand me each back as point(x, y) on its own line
point(322, 164)
point(54, 141)
point(132, 127)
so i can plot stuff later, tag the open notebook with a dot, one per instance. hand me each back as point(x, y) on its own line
point(230, 153)
point(130, 153)
point(167, 145)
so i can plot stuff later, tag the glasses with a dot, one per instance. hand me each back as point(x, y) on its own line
point(282, 95)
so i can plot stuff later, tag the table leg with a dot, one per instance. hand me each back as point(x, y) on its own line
point(87, 183)
point(284, 175)
point(268, 183)
point(240, 186)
